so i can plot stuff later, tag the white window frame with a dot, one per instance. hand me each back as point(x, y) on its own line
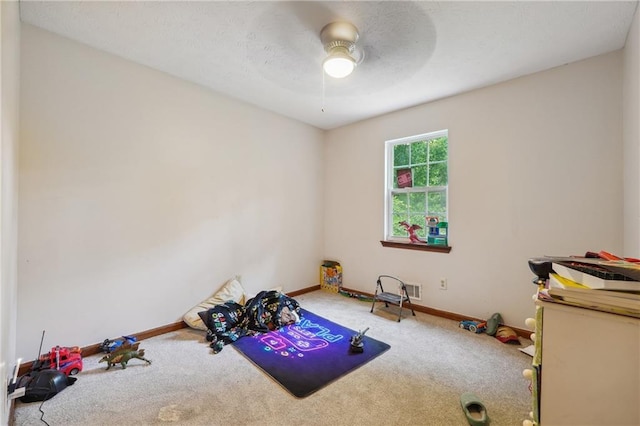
point(390, 176)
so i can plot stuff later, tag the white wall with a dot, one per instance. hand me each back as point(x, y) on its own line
point(140, 194)
point(631, 137)
point(535, 169)
point(9, 135)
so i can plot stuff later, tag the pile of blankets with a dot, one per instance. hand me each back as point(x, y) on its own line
point(268, 310)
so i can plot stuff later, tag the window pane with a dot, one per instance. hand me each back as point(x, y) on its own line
point(419, 152)
point(438, 149)
point(401, 205)
point(420, 176)
point(437, 174)
point(438, 204)
point(418, 202)
point(418, 219)
point(401, 155)
point(418, 209)
point(398, 230)
point(400, 214)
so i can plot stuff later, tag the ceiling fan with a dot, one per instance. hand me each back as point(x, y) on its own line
point(339, 40)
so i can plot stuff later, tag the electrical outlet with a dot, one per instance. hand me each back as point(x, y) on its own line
point(443, 283)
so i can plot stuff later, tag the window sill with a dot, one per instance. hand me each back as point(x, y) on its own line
point(416, 246)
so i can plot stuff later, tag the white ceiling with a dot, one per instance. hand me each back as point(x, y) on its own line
point(268, 53)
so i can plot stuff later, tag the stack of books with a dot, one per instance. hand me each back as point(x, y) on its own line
point(603, 285)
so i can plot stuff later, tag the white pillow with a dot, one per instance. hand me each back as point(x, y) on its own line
point(231, 291)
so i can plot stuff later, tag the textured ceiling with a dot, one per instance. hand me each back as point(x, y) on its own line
point(269, 53)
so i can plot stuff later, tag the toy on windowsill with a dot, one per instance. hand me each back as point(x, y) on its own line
point(124, 354)
point(357, 345)
point(438, 231)
point(474, 326)
point(433, 236)
point(411, 229)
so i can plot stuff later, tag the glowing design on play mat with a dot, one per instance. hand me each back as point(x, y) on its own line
point(301, 337)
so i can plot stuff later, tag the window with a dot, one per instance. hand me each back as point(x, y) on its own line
point(416, 184)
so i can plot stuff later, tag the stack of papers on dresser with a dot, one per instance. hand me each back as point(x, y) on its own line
point(598, 273)
point(564, 290)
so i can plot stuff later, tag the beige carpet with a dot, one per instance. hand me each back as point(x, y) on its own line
point(417, 382)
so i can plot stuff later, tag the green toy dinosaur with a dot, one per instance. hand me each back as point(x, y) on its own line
point(123, 355)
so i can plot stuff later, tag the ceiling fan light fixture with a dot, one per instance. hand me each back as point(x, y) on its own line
point(339, 63)
point(339, 40)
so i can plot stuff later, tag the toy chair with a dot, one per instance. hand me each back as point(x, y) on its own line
point(395, 298)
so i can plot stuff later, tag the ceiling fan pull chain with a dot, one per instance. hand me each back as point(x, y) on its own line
point(322, 106)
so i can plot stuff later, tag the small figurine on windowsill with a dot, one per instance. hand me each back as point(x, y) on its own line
point(357, 344)
point(411, 229)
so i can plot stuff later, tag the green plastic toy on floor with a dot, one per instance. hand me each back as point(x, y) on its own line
point(493, 323)
point(123, 355)
point(474, 409)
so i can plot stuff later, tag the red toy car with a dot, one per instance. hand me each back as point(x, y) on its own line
point(66, 359)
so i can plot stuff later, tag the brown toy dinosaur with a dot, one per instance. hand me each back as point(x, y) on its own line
point(123, 355)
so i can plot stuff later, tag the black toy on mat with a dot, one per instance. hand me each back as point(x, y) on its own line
point(356, 342)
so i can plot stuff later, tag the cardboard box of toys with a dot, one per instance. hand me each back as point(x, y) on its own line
point(330, 276)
